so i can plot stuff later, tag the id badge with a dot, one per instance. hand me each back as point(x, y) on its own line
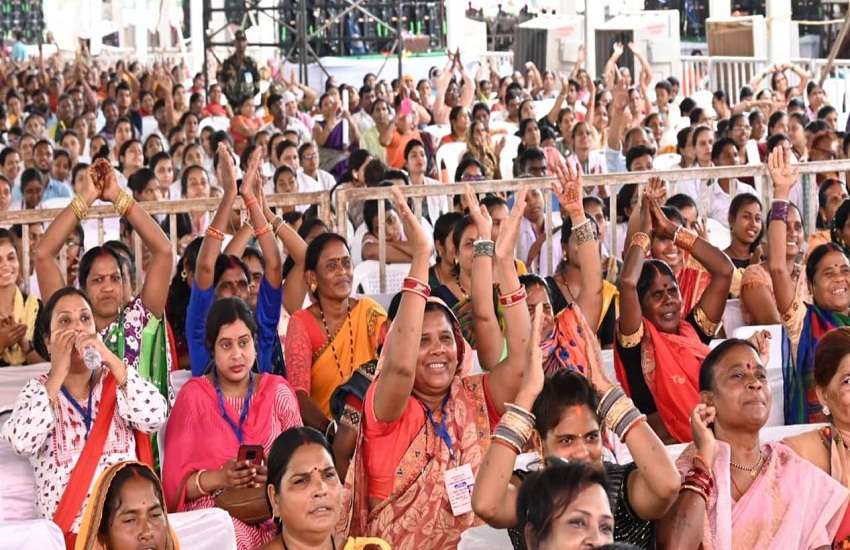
point(459, 484)
point(249, 78)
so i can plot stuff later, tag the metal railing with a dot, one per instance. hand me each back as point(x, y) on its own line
point(171, 209)
point(343, 197)
point(714, 73)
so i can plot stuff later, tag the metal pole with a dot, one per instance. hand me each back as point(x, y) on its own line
point(833, 52)
point(400, 41)
point(302, 50)
point(206, 17)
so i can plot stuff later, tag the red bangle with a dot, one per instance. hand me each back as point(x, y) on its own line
point(250, 202)
point(513, 298)
point(263, 230)
point(415, 285)
point(214, 233)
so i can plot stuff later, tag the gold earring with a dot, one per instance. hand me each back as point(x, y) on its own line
point(313, 287)
point(184, 275)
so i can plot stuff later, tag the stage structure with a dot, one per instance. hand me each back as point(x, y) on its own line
point(306, 31)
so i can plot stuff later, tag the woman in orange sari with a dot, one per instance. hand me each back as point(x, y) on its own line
point(425, 423)
point(657, 354)
point(328, 341)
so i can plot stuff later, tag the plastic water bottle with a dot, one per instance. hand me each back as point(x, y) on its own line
point(92, 357)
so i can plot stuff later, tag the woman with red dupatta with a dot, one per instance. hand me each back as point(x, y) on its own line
point(76, 421)
point(425, 423)
point(657, 353)
point(215, 414)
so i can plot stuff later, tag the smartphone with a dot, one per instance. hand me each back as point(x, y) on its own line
point(251, 453)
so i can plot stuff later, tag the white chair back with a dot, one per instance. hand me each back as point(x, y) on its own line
point(367, 278)
point(508, 155)
point(438, 131)
point(835, 90)
point(356, 244)
point(667, 161)
point(450, 154)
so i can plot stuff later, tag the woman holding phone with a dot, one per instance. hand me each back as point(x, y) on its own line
point(233, 414)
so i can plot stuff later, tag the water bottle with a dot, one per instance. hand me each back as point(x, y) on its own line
point(92, 357)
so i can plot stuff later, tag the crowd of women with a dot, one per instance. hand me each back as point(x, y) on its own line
point(319, 418)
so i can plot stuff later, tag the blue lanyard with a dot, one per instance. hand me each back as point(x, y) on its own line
point(85, 413)
point(442, 429)
point(246, 404)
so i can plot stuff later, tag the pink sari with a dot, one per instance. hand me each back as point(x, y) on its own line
point(197, 437)
point(792, 504)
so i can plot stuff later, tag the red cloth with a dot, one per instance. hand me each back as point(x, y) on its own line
point(670, 364)
point(73, 499)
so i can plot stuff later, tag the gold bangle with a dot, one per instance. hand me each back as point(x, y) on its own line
point(708, 326)
point(628, 341)
point(123, 202)
point(684, 238)
point(617, 411)
point(643, 241)
point(198, 483)
point(79, 207)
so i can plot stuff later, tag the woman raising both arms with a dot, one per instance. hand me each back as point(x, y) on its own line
point(424, 421)
point(118, 322)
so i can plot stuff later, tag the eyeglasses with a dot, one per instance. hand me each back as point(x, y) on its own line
point(234, 286)
point(472, 177)
point(342, 264)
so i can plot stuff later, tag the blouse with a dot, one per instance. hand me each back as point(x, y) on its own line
point(52, 436)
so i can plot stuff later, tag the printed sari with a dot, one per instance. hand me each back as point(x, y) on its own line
point(331, 363)
point(83, 473)
point(801, 400)
point(24, 310)
point(791, 504)
point(572, 344)
point(670, 364)
point(417, 514)
point(692, 283)
point(87, 538)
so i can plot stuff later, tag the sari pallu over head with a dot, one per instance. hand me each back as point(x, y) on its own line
point(87, 538)
point(366, 321)
point(417, 514)
point(196, 418)
point(670, 365)
point(791, 504)
point(801, 400)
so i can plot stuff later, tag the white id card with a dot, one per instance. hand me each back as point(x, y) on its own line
point(459, 484)
point(249, 78)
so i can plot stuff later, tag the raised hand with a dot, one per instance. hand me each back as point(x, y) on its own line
point(532, 376)
point(701, 418)
point(61, 346)
point(662, 227)
point(618, 49)
point(620, 94)
point(226, 170)
point(509, 231)
point(761, 340)
point(783, 174)
point(252, 179)
point(412, 228)
point(479, 214)
point(568, 188)
point(656, 190)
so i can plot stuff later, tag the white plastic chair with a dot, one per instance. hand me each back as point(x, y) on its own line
point(149, 126)
point(842, 120)
point(449, 154)
point(508, 155)
point(367, 278)
point(438, 131)
point(667, 161)
point(356, 243)
point(835, 90)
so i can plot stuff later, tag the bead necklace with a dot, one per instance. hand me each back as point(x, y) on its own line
point(752, 470)
point(347, 320)
point(460, 286)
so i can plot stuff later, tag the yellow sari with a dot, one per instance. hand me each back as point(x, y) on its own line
point(87, 538)
point(23, 311)
point(336, 360)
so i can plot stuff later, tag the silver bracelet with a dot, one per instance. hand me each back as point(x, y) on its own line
point(484, 247)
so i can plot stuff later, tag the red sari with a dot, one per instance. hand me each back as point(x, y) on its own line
point(670, 364)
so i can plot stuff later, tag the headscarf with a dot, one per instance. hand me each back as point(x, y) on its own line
point(87, 539)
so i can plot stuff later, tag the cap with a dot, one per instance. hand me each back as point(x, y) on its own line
point(287, 97)
point(239, 35)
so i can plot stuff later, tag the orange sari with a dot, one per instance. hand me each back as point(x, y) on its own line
point(670, 365)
